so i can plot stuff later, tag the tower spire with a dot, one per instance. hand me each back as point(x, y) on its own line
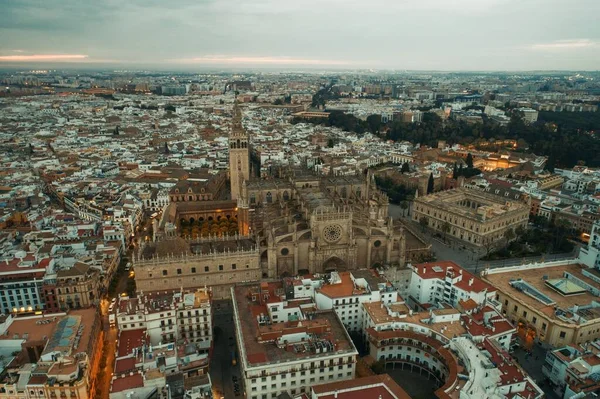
point(239, 159)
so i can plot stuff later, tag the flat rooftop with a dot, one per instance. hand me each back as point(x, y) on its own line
point(380, 315)
point(345, 287)
point(323, 327)
point(538, 278)
point(375, 386)
point(69, 334)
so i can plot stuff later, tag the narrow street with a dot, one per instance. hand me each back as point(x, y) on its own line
point(532, 363)
point(110, 338)
point(222, 372)
point(108, 353)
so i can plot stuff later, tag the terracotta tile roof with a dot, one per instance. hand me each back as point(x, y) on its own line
point(376, 386)
point(438, 270)
point(128, 340)
point(127, 383)
point(124, 365)
point(469, 304)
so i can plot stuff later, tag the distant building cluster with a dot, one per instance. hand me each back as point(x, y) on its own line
point(160, 232)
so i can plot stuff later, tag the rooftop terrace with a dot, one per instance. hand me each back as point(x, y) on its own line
point(265, 342)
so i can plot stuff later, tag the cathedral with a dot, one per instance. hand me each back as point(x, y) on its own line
point(296, 224)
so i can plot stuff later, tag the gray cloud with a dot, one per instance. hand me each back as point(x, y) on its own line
point(400, 34)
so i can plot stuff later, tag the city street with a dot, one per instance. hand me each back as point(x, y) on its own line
point(532, 364)
point(222, 371)
point(108, 352)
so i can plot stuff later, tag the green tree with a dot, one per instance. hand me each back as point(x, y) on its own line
point(445, 229)
point(469, 161)
point(378, 367)
point(330, 143)
point(424, 222)
point(405, 168)
point(430, 184)
point(404, 205)
point(374, 122)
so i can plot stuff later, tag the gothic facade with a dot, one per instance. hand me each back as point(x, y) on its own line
point(314, 224)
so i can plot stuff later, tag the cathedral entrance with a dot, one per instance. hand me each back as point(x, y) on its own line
point(334, 264)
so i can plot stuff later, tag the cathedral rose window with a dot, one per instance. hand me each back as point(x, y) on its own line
point(332, 233)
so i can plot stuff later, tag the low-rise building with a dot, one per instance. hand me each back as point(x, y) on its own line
point(553, 302)
point(376, 386)
point(52, 355)
point(217, 263)
point(344, 292)
point(446, 282)
point(469, 215)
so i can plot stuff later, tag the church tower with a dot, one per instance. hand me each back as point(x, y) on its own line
point(239, 158)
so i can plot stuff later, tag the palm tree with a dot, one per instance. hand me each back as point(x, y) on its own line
point(404, 206)
point(423, 222)
point(445, 229)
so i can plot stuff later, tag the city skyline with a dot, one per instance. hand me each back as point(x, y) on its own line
point(411, 35)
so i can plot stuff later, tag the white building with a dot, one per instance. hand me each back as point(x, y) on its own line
point(169, 317)
point(590, 255)
point(529, 115)
point(306, 348)
point(574, 370)
point(446, 282)
point(346, 291)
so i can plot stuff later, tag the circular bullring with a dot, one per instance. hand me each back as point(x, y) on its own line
point(419, 363)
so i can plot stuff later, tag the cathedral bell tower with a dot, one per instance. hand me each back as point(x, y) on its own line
point(239, 158)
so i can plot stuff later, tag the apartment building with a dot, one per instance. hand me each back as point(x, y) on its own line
point(344, 292)
point(72, 288)
point(165, 370)
point(286, 345)
point(51, 356)
point(169, 316)
point(446, 282)
point(21, 280)
point(573, 370)
point(590, 254)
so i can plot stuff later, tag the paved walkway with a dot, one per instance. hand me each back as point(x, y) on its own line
point(466, 255)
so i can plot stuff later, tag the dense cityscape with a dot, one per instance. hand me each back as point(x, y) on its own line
point(299, 235)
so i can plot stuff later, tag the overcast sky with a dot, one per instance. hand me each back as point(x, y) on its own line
point(390, 34)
